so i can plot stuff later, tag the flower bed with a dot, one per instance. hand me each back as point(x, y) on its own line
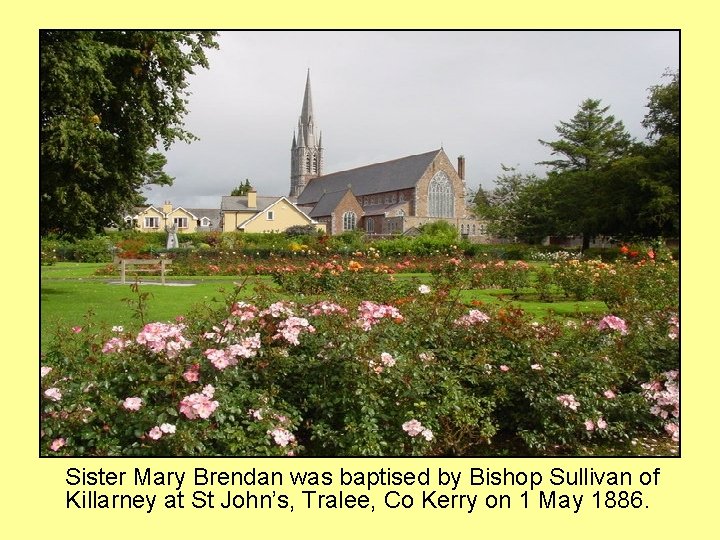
point(375, 367)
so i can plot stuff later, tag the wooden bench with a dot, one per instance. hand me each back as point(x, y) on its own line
point(144, 265)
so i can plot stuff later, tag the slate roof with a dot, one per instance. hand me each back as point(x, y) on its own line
point(232, 203)
point(402, 173)
point(327, 203)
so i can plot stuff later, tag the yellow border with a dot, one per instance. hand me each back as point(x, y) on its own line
point(33, 490)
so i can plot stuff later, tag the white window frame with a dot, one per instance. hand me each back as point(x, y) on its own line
point(270, 215)
point(180, 222)
point(151, 222)
point(349, 221)
point(441, 199)
point(205, 222)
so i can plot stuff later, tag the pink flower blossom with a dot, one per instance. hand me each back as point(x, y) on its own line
point(372, 313)
point(208, 390)
point(132, 403)
point(569, 401)
point(474, 317)
point(413, 427)
point(76, 329)
point(326, 308)
point(536, 367)
point(589, 425)
point(602, 424)
point(387, 359)
point(609, 394)
point(281, 436)
point(192, 374)
point(161, 337)
point(613, 323)
point(54, 394)
point(115, 344)
point(427, 434)
point(57, 444)
point(44, 370)
point(155, 433)
point(291, 328)
point(167, 428)
point(197, 406)
point(504, 368)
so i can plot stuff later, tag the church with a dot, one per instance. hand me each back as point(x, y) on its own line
point(393, 197)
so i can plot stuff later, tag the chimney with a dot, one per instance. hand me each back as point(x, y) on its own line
point(461, 167)
point(252, 198)
point(167, 207)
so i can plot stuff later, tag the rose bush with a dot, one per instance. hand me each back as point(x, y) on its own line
point(361, 364)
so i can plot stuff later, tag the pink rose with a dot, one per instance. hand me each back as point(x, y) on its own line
point(155, 433)
point(504, 368)
point(54, 394)
point(132, 403)
point(57, 444)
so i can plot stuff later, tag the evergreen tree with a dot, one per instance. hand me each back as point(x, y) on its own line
point(589, 143)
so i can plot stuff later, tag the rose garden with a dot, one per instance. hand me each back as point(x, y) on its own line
point(327, 347)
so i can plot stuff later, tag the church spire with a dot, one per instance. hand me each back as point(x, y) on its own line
point(306, 116)
point(305, 153)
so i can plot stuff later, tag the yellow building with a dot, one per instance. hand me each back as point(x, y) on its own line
point(258, 214)
point(156, 219)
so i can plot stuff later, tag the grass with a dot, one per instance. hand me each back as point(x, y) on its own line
point(71, 292)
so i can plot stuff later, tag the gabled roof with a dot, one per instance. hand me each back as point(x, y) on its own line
point(327, 203)
point(230, 203)
point(392, 175)
point(279, 199)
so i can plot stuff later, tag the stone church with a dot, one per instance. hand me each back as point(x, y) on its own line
point(394, 197)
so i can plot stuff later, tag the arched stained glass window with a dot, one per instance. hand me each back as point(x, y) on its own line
point(370, 225)
point(441, 202)
point(349, 221)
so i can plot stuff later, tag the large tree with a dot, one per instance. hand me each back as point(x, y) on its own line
point(588, 144)
point(109, 101)
point(517, 208)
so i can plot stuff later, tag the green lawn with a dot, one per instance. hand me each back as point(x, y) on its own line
point(70, 292)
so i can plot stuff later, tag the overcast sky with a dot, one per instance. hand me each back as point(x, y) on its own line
point(380, 95)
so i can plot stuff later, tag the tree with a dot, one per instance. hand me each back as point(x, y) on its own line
point(242, 189)
point(589, 143)
point(108, 99)
point(517, 208)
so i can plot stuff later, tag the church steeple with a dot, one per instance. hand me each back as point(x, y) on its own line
point(305, 153)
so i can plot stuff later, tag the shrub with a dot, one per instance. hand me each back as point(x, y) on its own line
point(403, 369)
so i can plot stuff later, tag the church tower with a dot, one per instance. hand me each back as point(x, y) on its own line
point(306, 158)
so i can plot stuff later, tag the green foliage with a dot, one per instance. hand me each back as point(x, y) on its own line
point(242, 189)
point(107, 98)
point(356, 372)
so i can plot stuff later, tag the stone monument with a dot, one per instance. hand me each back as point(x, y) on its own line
point(172, 240)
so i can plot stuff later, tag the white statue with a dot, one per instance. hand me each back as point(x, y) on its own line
point(172, 240)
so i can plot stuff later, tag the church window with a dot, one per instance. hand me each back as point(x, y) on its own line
point(349, 221)
point(473, 229)
point(400, 213)
point(314, 163)
point(401, 198)
point(307, 163)
point(370, 225)
point(441, 202)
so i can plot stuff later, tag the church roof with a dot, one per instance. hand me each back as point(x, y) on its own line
point(402, 173)
point(327, 203)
